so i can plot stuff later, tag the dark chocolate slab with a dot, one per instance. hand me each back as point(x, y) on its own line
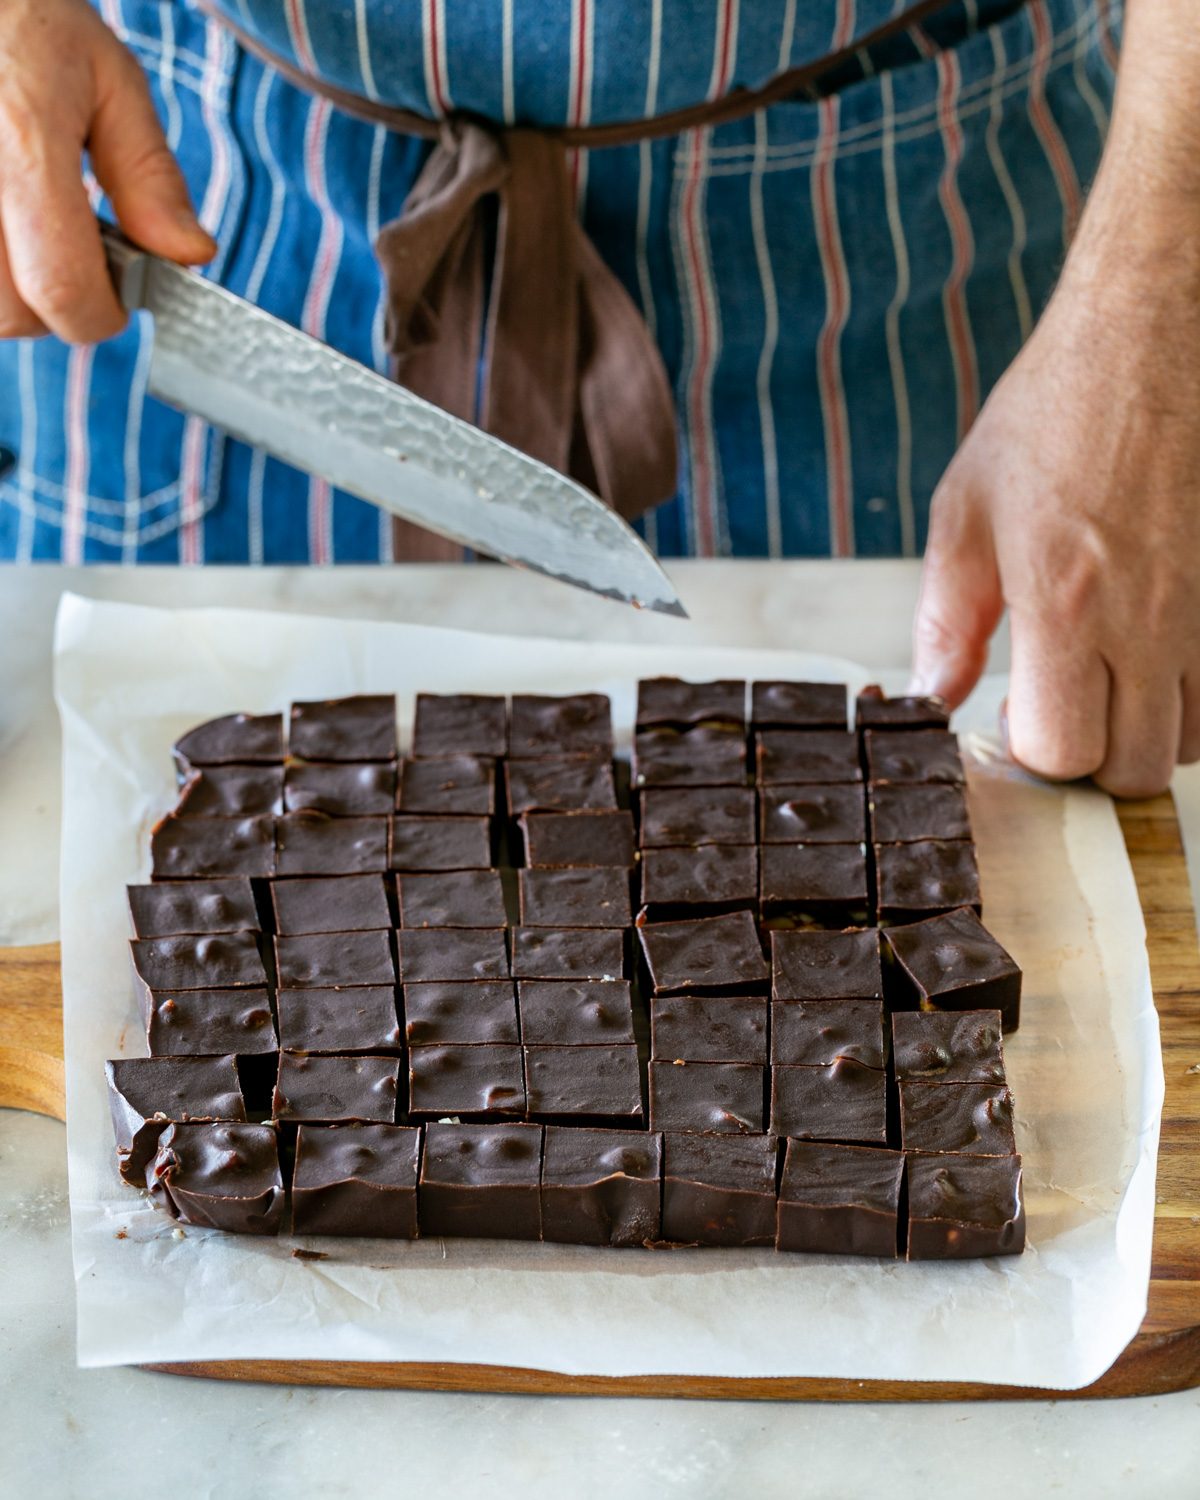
point(199, 1023)
point(566, 783)
point(145, 1093)
point(460, 724)
point(576, 724)
point(232, 738)
point(913, 756)
point(817, 965)
point(683, 817)
point(712, 954)
point(674, 702)
point(813, 814)
point(839, 1200)
point(875, 710)
point(319, 960)
point(722, 1098)
point(452, 1012)
point(198, 961)
point(948, 1047)
point(356, 1179)
point(177, 906)
point(360, 1018)
point(340, 788)
point(433, 843)
point(901, 814)
point(332, 1089)
point(709, 1028)
point(577, 839)
point(601, 1187)
point(208, 848)
point(357, 728)
point(798, 705)
point(231, 792)
point(823, 885)
point(708, 755)
point(594, 1083)
point(960, 1207)
point(925, 879)
point(458, 953)
point(816, 1033)
point(953, 962)
point(799, 757)
point(454, 785)
point(220, 1176)
point(975, 1118)
point(470, 1082)
point(842, 1102)
point(451, 898)
point(330, 903)
point(313, 843)
point(567, 953)
point(481, 1181)
point(719, 1189)
point(588, 897)
point(556, 1012)
point(706, 880)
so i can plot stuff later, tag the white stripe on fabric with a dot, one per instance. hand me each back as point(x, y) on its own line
point(433, 38)
point(316, 301)
point(363, 39)
point(645, 197)
point(508, 105)
point(724, 47)
point(904, 494)
point(766, 413)
point(78, 455)
point(379, 352)
point(834, 416)
point(133, 437)
point(26, 388)
point(1083, 83)
point(297, 24)
point(166, 73)
point(579, 96)
point(1016, 210)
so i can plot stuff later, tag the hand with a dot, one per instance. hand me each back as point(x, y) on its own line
point(65, 81)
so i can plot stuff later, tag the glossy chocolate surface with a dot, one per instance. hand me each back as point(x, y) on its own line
point(576, 724)
point(960, 1207)
point(585, 1083)
point(948, 1047)
point(457, 785)
point(684, 817)
point(556, 1012)
point(953, 962)
point(469, 1082)
point(221, 1176)
point(588, 897)
point(719, 1189)
point(232, 738)
point(461, 953)
point(451, 898)
point(815, 1033)
point(433, 843)
point(449, 724)
point(317, 960)
point(798, 705)
point(331, 903)
point(709, 1028)
point(357, 728)
point(670, 700)
point(708, 755)
point(873, 709)
point(361, 1018)
point(342, 789)
point(231, 792)
point(199, 1023)
point(787, 757)
point(322, 1088)
point(198, 961)
point(826, 965)
point(722, 1098)
point(812, 815)
point(826, 884)
point(467, 1014)
point(567, 783)
point(678, 883)
point(207, 848)
point(312, 843)
point(913, 756)
point(144, 1093)
point(712, 954)
point(601, 1187)
point(976, 1118)
point(482, 1181)
point(356, 1179)
point(902, 814)
point(839, 1200)
point(567, 952)
point(178, 906)
point(575, 839)
point(842, 1102)
point(925, 878)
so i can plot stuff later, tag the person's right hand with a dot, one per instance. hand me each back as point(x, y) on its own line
point(66, 84)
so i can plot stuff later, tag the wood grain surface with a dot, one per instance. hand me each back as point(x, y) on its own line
point(1165, 1355)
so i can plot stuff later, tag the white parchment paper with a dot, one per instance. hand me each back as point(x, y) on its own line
point(1085, 1068)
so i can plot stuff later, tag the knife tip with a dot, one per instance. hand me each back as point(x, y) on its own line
point(672, 607)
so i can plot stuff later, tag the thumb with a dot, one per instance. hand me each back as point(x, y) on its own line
point(960, 603)
point(135, 167)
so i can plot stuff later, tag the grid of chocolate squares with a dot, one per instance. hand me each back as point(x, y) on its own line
point(493, 989)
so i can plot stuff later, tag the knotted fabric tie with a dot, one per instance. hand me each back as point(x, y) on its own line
point(548, 351)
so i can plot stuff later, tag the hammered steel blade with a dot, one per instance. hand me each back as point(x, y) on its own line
point(272, 386)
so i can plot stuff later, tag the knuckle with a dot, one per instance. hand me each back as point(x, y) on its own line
point(1133, 783)
point(1052, 758)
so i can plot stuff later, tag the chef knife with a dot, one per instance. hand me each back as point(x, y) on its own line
point(270, 385)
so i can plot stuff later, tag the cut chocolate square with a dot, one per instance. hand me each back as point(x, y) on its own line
point(601, 1187)
point(875, 710)
point(976, 1118)
point(360, 1018)
point(719, 1189)
point(564, 783)
point(481, 1181)
point(679, 704)
point(902, 814)
point(912, 757)
point(460, 724)
point(198, 961)
point(454, 785)
point(456, 953)
point(839, 1200)
point(556, 1012)
point(470, 1082)
point(816, 1033)
point(568, 953)
point(201, 1023)
point(925, 879)
point(434, 843)
point(805, 757)
point(953, 962)
point(708, 755)
point(336, 903)
point(320, 960)
point(208, 848)
point(826, 965)
point(219, 1176)
point(356, 1179)
point(952, 1047)
point(684, 817)
point(813, 814)
point(451, 898)
point(841, 1102)
point(576, 724)
point(589, 897)
point(357, 728)
point(575, 839)
point(313, 843)
point(721, 1098)
point(798, 705)
point(340, 788)
point(232, 738)
point(814, 885)
point(712, 955)
point(709, 1028)
point(146, 1093)
point(960, 1207)
point(595, 1084)
point(231, 792)
point(453, 1013)
point(312, 1086)
point(178, 906)
point(680, 883)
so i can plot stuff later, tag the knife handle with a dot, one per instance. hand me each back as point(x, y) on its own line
point(127, 265)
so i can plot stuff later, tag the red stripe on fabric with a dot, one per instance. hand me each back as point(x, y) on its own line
point(191, 479)
point(844, 26)
point(954, 298)
point(581, 63)
point(829, 360)
point(79, 382)
point(1108, 46)
point(703, 488)
point(724, 48)
point(297, 20)
point(1044, 124)
point(440, 97)
point(316, 302)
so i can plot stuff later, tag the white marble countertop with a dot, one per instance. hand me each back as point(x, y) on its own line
point(125, 1433)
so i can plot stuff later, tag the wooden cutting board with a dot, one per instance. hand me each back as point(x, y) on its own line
point(1165, 1355)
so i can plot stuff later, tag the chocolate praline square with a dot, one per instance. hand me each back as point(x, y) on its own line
point(231, 792)
point(841, 1102)
point(705, 881)
point(812, 814)
point(205, 848)
point(719, 1189)
point(953, 962)
point(960, 1207)
point(601, 1187)
point(312, 1086)
point(198, 961)
point(798, 705)
point(722, 1098)
point(574, 724)
point(823, 885)
point(819, 1032)
point(359, 1018)
point(484, 1081)
point(708, 755)
point(453, 1012)
point(456, 785)
point(925, 879)
point(672, 701)
point(199, 1023)
point(591, 897)
point(875, 710)
point(712, 954)
point(219, 1176)
point(565, 783)
point(912, 757)
point(356, 1179)
point(177, 906)
point(146, 1093)
point(839, 1200)
point(577, 839)
point(709, 1028)
point(557, 1012)
point(684, 817)
point(952, 1047)
point(458, 953)
point(334, 960)
point(976, 1118)
point(313, 843)
point(434, 843)
point(449, 724)
point(357, 728)
point(340, 788)
point(806, 757)
point(331, 903)
point(585, 1084)
point(481, 1181)
point(901, 814)
point(451, 898)
point(568, 952)
point(232, 738)
point(817, 965)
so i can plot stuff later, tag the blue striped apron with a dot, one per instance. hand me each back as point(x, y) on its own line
point(835, 282)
